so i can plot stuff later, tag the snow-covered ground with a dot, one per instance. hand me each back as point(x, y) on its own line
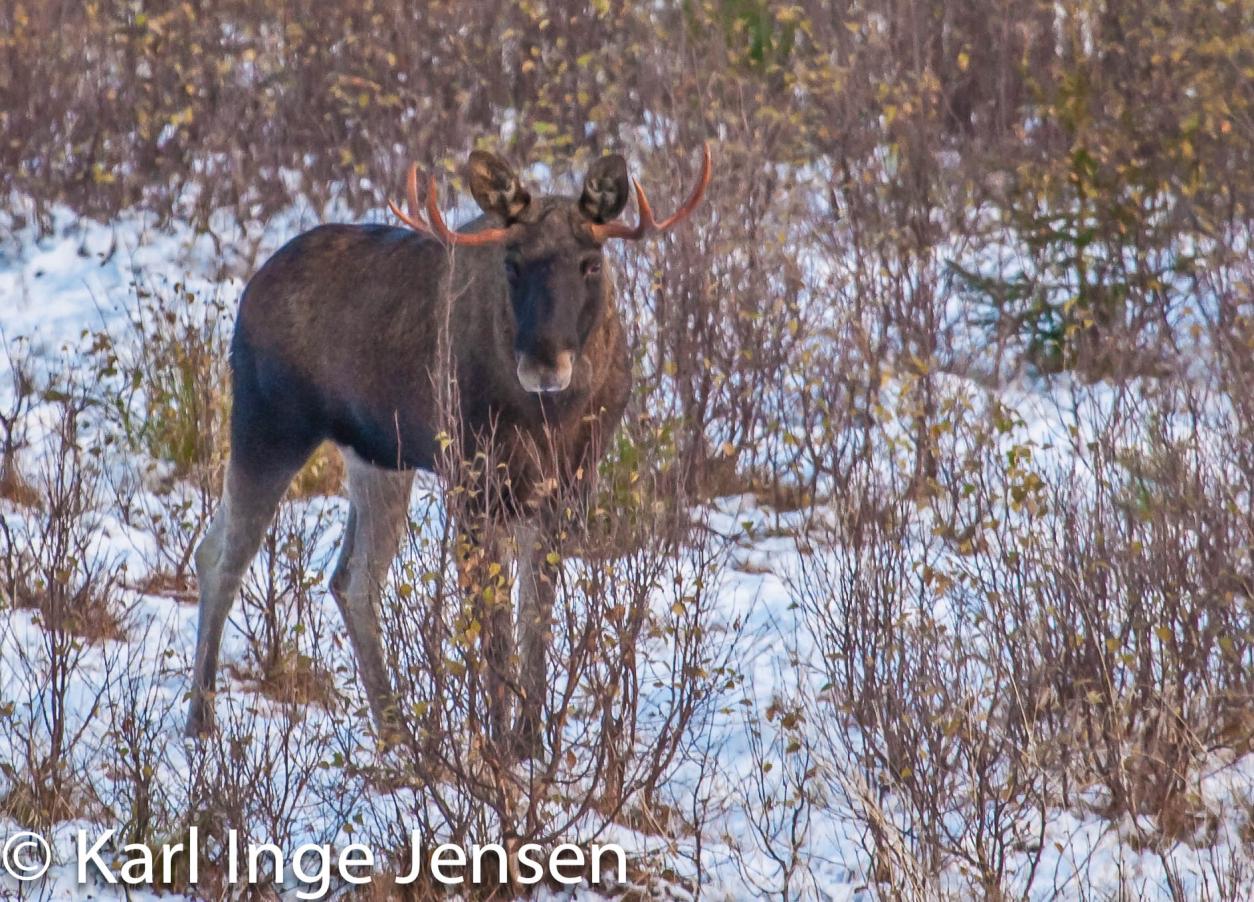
point(57, 291)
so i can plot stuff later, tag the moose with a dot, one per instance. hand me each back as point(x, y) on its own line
point(349, 333)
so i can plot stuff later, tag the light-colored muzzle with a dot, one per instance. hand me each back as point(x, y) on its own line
point(536, 377)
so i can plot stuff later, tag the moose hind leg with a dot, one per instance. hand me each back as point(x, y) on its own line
point(377, 518)
point(249, 500)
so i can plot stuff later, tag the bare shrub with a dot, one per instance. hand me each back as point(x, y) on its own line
point(135, 749)
point(282, 620)
point(13, 486)
point(255, 777)
point(630, 663)
point(924, 216)
point(162, 387)
point(60, 584)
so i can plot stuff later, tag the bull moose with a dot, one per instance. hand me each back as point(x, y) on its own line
point(340, 336)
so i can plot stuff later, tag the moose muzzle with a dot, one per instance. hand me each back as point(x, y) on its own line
point(538, 377)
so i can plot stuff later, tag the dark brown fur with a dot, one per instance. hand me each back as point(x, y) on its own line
point(341, 330)
point(383, 341)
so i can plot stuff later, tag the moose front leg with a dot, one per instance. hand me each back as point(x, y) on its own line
point(484, 566)
point(537, 578)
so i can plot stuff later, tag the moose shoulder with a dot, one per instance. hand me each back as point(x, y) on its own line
point(362, 374)
point(373, 337)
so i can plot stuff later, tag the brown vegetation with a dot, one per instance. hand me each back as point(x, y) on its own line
point(935, 228)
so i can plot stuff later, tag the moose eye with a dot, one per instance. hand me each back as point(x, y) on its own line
point(591, 268)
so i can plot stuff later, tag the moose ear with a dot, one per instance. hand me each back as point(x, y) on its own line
point(604, 189)
point(495, 187)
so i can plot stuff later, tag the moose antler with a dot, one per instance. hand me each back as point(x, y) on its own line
point(647, 224)
point(601, 232)
point(436, 225)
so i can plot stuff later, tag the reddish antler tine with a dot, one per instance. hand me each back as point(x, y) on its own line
point(412, 219)
point(452, 236)
point(411, 191)
point(433, 212)
point(644, 210)
point(707, 169)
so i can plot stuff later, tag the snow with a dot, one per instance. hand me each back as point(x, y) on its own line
point(84, 278)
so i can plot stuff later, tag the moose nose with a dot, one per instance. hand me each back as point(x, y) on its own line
point(541, 379)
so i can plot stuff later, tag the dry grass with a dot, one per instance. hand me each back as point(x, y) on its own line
point(14, 488)
point(322, 475)
point(293, 679)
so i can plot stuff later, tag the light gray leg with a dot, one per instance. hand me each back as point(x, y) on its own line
point(378, 515)
point(231, 542)
point(536, 592)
